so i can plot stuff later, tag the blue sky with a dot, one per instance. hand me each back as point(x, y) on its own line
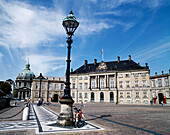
point(33, 29)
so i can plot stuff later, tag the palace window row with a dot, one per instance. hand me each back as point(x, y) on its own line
point(51, 86)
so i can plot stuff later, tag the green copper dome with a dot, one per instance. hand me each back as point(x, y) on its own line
point(26, 73)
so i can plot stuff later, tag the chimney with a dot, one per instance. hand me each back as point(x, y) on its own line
point(118, 59)
point(155, 73)
point(85, 62)
point(71, 69)
point(146, 64)
point(95, 61)
point(129, 58)
point(138, 64)
point(162, 72)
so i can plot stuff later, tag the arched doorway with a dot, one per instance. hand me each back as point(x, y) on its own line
point(111, 97)
point(161, 97)
point(55, 98)
point(92, 97)
point(101, 97)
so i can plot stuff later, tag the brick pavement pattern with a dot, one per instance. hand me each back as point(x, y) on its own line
point(125, 119)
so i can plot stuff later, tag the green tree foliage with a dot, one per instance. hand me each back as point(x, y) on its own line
point(5, 87)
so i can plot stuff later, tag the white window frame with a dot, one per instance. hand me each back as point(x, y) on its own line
point(93, 83)
point(111, 82)
point(102, 83)
point(85, 85)
point(80, 86)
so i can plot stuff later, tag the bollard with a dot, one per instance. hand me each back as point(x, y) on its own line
point(25, 115)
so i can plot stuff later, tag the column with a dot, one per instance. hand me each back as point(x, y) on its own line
point(89, 83)
point(22, 94)
point(96, 82)
point(105, 81)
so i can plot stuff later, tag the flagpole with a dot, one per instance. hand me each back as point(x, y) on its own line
point(102, 54)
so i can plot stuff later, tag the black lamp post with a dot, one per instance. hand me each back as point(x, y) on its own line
point(66, 115)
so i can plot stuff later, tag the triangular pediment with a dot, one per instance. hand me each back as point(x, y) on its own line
point(102, 66)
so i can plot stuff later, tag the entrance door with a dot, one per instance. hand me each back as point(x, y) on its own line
point(92, 97)
point(55, 98)
point(161, 97)
point(101, 97)
point(111, 97)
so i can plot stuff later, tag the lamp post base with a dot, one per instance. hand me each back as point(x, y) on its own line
point(65, 118)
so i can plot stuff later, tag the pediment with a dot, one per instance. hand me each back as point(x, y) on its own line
point(102, 66)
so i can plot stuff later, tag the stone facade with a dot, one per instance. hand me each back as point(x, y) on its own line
point(160, 87)
point(117, 81)
point(48, 88)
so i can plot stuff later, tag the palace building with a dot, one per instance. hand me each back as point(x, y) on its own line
point(121, 81)
point(48, 88)
point(160, 85)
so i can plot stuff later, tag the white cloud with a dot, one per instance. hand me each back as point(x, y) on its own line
point(92, 26)
point(42, 63)
point(1, 55)
point(153, 52)
point(23, 25)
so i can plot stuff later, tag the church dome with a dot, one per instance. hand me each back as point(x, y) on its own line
point(26, 73)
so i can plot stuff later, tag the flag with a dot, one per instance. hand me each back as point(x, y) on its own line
point(102, 51)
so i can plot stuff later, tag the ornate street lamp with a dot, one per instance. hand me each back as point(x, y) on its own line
point(66, 114)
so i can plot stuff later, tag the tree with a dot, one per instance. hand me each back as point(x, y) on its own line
point(6, 88)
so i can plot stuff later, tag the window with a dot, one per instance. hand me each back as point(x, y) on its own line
point(36, 85)
point(43, 85)
point(50, 95)
point(167, 94)
point(86, 86)
point(80, 95)
point(93, 83)
point(85, 96)
point(73, 85)
point(143, 74)
point(56, 86)
point(62, 86)
point(73, 95)
point(80, 78)
point(166, 81)
point(102, 83)
point(136, 74)
point(50, 86)
point(136, 83)
point(120, 75)
point(154, 94)
point(159, 83)
point(121, 94)
point(127, 75)
point(80, 85)
point(86, 78)
point(127, 84)
point(73, 78)
point(144, 94)
point(143, 83)
point(36, 94)
point(111, 83)
point(128, 94)
point(43, 95)
point(153, 83)
point(137, 94)
point(120, 84)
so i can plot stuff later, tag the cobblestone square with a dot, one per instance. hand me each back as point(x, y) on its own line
point(125, 119)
